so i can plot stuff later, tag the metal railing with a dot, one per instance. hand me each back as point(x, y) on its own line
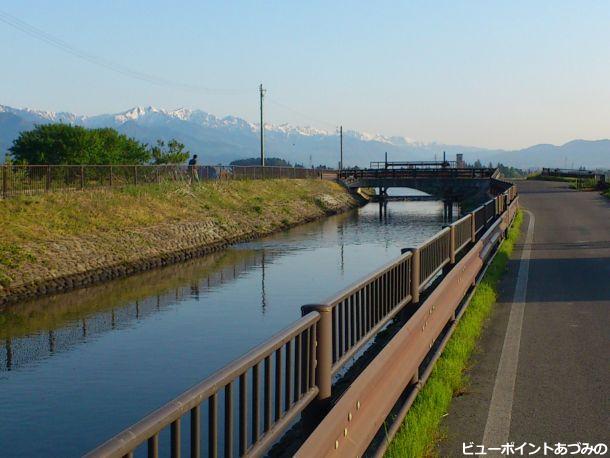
point(434, 254)
point(275, 381)
point(490, 210)
point(479, 219)
point(35, 179)
point(299, 363)
point(573, 173)
point(413, 164)
point(405, 173)
point(358, 312)
point(463, 233)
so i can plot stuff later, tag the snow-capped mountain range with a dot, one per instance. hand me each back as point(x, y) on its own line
point(223, 139)
point(152, 115)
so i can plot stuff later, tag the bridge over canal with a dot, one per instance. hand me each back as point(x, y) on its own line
point(441, 180)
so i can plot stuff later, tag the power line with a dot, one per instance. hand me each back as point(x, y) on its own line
point(45, 37)
point(311, 118)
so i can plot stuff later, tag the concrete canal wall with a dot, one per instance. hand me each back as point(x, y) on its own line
point(57, 242)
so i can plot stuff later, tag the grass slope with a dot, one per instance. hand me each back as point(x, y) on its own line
point(39, 233)
point(539, 177)
point(421, 428)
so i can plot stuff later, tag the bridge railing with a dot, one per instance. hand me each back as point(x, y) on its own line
point(413, 164)
point(298, 364)
point(35, 179)
point(397, 173)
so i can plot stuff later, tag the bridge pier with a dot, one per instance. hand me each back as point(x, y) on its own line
point(448, 210)
point(383, 203)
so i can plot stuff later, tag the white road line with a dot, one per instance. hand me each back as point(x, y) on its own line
point(497, 427)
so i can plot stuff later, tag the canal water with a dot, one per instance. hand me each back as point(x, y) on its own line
point(79, 367)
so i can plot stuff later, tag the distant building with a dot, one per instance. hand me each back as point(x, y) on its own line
point(459, 161)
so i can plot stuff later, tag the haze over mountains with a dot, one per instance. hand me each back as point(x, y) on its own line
point(221, 140)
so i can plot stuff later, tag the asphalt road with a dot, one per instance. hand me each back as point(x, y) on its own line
point(542, 373)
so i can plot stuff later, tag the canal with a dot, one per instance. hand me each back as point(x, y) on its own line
point(77, 368)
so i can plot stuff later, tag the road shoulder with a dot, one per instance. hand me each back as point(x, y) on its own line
point(466, 419)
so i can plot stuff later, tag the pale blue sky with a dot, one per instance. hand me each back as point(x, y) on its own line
point(484, 73)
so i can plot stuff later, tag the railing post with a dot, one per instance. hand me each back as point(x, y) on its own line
point(473, 227)
point(111, 176)
point(324, 361)
point(48, 179)
point(452, 243)
point(135, 174)
point(415, 272)
point(82, 177)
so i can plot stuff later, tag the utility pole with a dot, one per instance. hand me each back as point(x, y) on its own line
point(341, 147)
point(262, 94)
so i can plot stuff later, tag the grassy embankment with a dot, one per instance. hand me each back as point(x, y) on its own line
point(540, 177)
point(421, 428)
point(51, 235)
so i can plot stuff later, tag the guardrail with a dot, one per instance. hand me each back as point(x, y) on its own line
point(299, 363)
point(575, 173)
point(35, 179)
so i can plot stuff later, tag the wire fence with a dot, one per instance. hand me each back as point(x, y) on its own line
point(18, 180)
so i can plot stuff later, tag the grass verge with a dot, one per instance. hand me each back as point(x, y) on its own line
point(421, 429)
point(539, 177)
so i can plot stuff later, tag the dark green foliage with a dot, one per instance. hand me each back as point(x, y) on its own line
point(511, 172)
point(506, 170)
point(173, 153)
point(67, 144)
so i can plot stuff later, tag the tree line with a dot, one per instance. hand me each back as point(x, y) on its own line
point(506, 170)
point(63, 144)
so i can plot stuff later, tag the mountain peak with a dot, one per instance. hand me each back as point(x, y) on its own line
point(223, 139)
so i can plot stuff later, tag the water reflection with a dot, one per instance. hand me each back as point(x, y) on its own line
point(96, 360)
point(37, 329)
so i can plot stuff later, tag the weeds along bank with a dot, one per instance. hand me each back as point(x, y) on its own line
point(421, 429)
point(58, 241)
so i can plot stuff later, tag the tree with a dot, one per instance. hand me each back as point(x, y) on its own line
point(174, 153)
point(68, 144)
